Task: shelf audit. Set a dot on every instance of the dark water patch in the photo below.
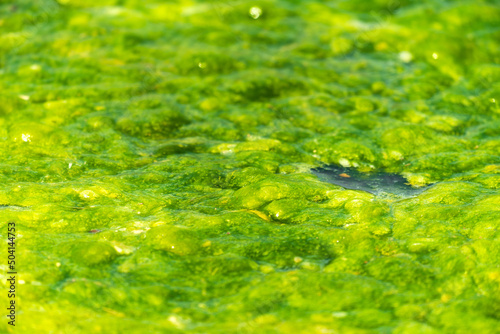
(14, 207)
(375, 182)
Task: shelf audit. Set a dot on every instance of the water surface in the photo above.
(156, 158)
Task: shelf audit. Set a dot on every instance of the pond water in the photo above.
(157, 158)
(376, 182)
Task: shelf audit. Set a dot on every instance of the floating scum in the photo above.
(164, 163)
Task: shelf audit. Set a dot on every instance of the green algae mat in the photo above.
(183, 166)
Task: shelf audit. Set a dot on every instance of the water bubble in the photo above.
(344, 162)
(340, 314)
(405, 56)
(255, 12)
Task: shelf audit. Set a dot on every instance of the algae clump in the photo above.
(160, 161)
(173, 239)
